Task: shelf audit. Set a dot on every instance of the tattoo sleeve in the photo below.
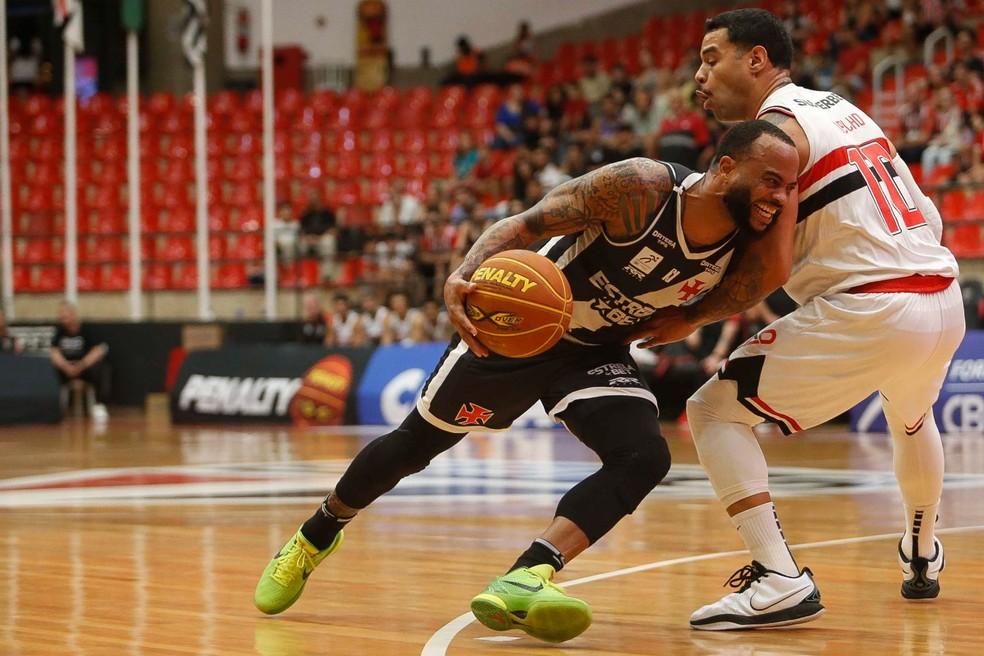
(742, 287)
(620, 197)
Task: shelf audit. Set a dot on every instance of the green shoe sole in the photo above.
(554, 620)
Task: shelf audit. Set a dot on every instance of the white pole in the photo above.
(133, 173)
(269, 249)
(201, 182)
(71, 211)
(6, 217)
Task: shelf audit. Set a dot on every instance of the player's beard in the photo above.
(738, 202)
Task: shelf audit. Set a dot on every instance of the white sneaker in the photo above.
(99, 412)
(920, 576)
(764, 599)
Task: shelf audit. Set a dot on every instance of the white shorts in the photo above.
(827, 356)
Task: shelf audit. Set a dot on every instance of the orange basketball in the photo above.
(522, 305)
(322, 396)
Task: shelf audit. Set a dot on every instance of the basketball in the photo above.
(323, 394)
(522, 306)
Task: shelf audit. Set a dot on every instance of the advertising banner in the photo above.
(309, 385)
(961, 403)
(394, 377)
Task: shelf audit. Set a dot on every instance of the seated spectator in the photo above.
(430, 324)
(594, 83)
(468, 63)
(624, 145)
(399, 207)
(946, 126)
(285, 230)
(316, 227)
(316, 327)
(347, 326)
(509, 119)
(913, 123)
(373, 317)
(644, 117)
(8, 343)
(621, 81)
(966, 52)
(549, 174)
(465, 155)
(521, 59)
(609, 118)
(434, 254)
(77, 355)
(396, 326)
(683, 134)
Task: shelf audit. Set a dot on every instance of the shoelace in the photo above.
(296, 557)
(744, 577)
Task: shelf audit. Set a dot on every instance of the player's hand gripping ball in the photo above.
(522, 305)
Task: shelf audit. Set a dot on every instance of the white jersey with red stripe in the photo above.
(862, 218)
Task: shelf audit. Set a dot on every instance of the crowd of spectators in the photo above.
(545, 136)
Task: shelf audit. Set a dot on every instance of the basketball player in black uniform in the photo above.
(630, 237)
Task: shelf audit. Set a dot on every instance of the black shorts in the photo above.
(466, 393)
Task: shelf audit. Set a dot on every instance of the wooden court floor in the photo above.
(140, 538)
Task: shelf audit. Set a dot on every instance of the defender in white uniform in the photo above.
(880, 310)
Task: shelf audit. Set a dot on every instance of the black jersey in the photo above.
(617, 285)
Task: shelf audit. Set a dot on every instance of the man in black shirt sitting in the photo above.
(76, 355)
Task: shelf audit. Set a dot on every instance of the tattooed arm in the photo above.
(620, 198)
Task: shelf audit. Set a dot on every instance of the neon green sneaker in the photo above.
(283, 579)
(526, 599)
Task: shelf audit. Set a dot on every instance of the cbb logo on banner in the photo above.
(322, 396)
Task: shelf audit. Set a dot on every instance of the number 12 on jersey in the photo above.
(871, 160)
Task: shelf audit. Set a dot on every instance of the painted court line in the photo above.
(442, 638)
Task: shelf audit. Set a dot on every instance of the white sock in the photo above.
(759, 528)
(919, 470)
(920, 523)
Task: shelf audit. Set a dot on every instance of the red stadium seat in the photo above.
(974, 209)
(377, 118)
(446, 141)
(116, 277)
(414, 166)
(218, 218)
(288, 101)
(157, 276)
(411, 141)
(161, 103)
(35, 251)
(345, 167)
(176, 248)
(376, 192)
(229, 276)
(184, 276)
(380, 166)
(182, 219)
(49, 279)
(242, 122)
(244, 169)
(216, 247)
(88, 278)
(248, 246)
(380, 141)
(952, 207)
(965, 240)
(101, 249)
(22, 279)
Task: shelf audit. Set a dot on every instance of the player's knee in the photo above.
(640, 467)
(411, 447)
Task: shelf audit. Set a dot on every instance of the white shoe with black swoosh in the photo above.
(920, 576)
(765, 599)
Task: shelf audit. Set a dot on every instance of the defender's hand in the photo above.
(455, 290)
(666, 326)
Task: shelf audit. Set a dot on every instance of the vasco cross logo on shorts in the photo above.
(472, 414)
